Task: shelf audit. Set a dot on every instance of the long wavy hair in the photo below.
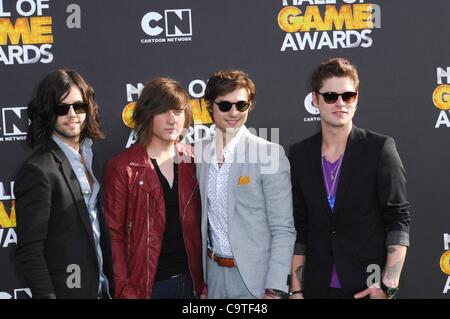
(51, 91)
(158, 96)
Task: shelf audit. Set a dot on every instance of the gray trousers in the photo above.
(225, 282)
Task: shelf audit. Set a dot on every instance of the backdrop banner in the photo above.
(401, 49)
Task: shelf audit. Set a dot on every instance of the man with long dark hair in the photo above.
(63, 247)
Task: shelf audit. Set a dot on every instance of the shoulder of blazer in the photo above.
(307, 144)
(45, 154)
(268, 147)
(250, 138)
(203, 143)
(367, 136)
(200, 151)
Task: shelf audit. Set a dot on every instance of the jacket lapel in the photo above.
(317, 170)
(353, 151)
(235, 172)
(204, 166)
(74, 187)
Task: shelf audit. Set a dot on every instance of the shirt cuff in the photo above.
(397, 237)
(299, 249)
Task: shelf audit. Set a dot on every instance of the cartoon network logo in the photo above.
(19, 293)
(174, 25)
(14, 124)
(311, 109)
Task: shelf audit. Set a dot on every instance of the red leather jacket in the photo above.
(135, 213)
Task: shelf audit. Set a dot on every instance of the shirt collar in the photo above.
(69, 151)
(230, 148)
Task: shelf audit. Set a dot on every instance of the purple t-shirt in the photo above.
(331, 172)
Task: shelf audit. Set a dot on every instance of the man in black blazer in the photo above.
(63, 244)
(349, 192)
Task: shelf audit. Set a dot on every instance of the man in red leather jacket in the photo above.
(152, 202)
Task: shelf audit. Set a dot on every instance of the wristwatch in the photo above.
(390, 292)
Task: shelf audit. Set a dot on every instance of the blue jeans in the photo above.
(176, 287)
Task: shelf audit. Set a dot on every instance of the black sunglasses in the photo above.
(79, 108)
(332, 97)
(225, 106)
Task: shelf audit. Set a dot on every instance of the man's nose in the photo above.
(234, 110)
(71, 112)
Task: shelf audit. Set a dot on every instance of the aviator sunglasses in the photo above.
(332, 97)
(225, 106)
(78, 107)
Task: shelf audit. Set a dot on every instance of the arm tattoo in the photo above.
(299, 273)
(391, 250)
(393, 272)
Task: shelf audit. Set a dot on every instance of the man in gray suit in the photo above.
(248, 231)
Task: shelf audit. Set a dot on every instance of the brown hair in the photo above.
(158, 96)
(51, 90)
(335, 67)
(224, 82)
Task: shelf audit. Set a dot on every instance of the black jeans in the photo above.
(176, 287)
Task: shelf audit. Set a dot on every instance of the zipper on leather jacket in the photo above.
(148, 246)
(184, 239)
(129, 226)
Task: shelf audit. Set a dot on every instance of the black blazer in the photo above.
(54, 229)
(370, 202)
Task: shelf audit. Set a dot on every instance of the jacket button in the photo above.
(141, 182)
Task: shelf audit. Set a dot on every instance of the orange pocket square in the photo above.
(244, 180)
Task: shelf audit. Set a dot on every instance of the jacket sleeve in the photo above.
(392, 194)
(299, 206)
(33, 192)
(115, 203)
(278, 199)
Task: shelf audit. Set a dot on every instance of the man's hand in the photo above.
(184, 149)
(270, 297)
(372, 293)
(204, 293)
(275, 294)
(297, 296)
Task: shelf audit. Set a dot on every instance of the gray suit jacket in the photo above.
(260, 219)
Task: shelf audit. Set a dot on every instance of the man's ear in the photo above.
(209, 108)
(315, 99)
